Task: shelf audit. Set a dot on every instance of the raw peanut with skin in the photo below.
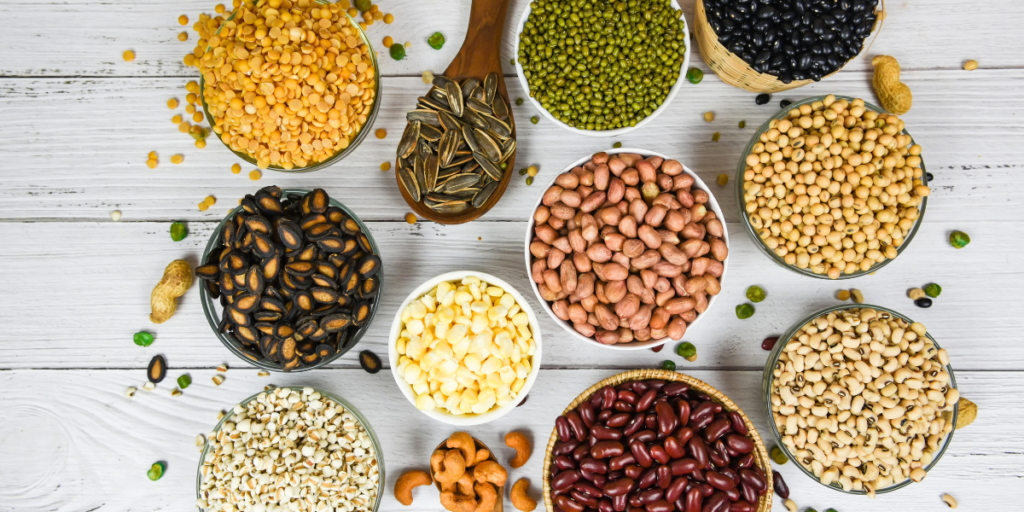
(568, 276)
(555, 258)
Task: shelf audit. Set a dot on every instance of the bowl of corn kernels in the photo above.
(302, 102)
(465, 348)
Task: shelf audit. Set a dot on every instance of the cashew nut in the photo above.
(790, 505)
(521, 500)
(949, 501)
(164, 300)
(405, 484)
(481, 455)
(436, 459)
(465, 443)
(489, 471)
(518, 442)
(487, 496)
(465, 483)
(458, 503)
(453, 467)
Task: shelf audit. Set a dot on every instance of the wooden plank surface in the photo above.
(81, 445)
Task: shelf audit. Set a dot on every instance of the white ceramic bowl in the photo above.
(440, 414)
(712, 205)
(602, 133)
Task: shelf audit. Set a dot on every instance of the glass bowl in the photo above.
(766, 390)
(335, 158)
(341, 401)
(759, 243)
(213, 309)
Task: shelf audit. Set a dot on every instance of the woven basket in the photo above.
(764, 504)
(735, 71)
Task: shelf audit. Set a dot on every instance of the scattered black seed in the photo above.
(930, 177)
(785, 103)
(158, 369)
(923, 302)
(523, 401)
(369, 361)
(762, 98)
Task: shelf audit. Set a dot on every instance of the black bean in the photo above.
(923, 302)
(785, 103)
(762, 99)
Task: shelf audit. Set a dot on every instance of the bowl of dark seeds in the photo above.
(456, 150)
(290, 279)
(776, 45)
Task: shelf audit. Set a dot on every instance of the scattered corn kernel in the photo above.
(381, 133)
(177, 159)
(532, 170)
(410, 218)
(235, 169)
(723, 179)
(386, 166)
(172, 103)
(115, 215)
(210, 200)
(858, 297)
(183, 20)
(176, 119)
(388, 18)
(128, 56)
(971, 65)
(709, 116)
(183, 36)
(255, 175)
(197, 117)
(388, 41)
(152, 163)
(843, 295)
(201, 144)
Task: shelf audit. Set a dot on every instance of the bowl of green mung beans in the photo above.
(602, 68)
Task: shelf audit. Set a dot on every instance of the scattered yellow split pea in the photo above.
(189, 59)
(410, 218)
(191, 98)
(255, 175)
(210, 200)
(183, 20)
(184, 127)
(388, 41)
(128, 56)
(388, 18)
(201, 144)
(177, 159)
(219, 9)
(843, 295)
(362, 25)
(177, 119)
(203, 207)
(172, 103)
(386, 166)
(353, 12)
(381, 133)
(192, 86)
(235, 169)
(374, 8)
(197, 117)
(191, 109)
(151, 163)
(532, 170)
(709, 116)
(183, 36)
(152, 155)
(378, 16)
(344, 4)
(971, 65)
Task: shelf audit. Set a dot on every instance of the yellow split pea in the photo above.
(177, 159)
(128, 56)
(235, 169)
(255, 175)
(386, 166)
(172, 103)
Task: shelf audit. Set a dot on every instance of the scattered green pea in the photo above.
(184, 381)
(668, 365)
(694, 75)
(534, 120)
(755, 294)
(959, 239)
(715, 137)
(436, 40)
(743, 124)
(519, 101)
(397, 51)
(831, 510)
(686, 349)
(744, 311)
(932, 290)
(143, 339)
(512, 61)
(617, 145)
(156, 471)
(178, 231)
(809, 509)
(529, 180)
(778, 456)
(522, 172)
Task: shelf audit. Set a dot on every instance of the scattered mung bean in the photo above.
(694, 75)
(143, 339)
(668, 365)
(184, 381)
(778, 456)
(436, 40)
(723, 179)
(715, 137)
(959, 239)
(156, 471)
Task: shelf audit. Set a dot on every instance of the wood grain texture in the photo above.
(101, 274)
(934, 34)
(79, 147)
(76, 443)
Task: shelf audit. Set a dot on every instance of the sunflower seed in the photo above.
(430, 172)
(468, 85)
(430, 133)
(488, 166)
(409, 137)
(448, 145)
(490, 87)
(460, 182)
(455, 98)
(478, 105)
(441, 82)
(476, 120)
(470, 137)
(498, 128)
(500, 108)
(439, 96)
(508, 148)
(448, 121)
(421, 180)
(424, 116)
(487, 145)
(450, 208)
(485, 193)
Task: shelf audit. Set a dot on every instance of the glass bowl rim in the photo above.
(767, 377)
(744, 217)
(209, 308)
(333, 396)
(335, 158)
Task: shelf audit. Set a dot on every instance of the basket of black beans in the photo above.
(767, 46)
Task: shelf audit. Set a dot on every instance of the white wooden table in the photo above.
(76, 124)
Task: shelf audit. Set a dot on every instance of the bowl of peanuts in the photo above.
(862, 398)
(627, 249)
(846, 192)
(303, 102)
(465, 348)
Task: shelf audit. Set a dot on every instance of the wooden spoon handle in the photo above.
(482, 48)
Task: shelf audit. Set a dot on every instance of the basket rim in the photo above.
(761, 457)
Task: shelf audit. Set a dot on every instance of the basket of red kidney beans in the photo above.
(655, 441)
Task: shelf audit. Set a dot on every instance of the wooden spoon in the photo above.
(499, 506)
(480, 55)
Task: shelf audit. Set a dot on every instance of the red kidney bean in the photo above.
(646, 400)
(702, 410)
(699, 424)
(716, 429)
(635, 423)
(733, 494)
(748, 492)
(698, 475)
(599, 480)
(577, 426)
(737, 423)
(605, 433)
(676, 389)
(719, 481)
(676, 489)
(694, 497)
(660, 506)
(565, 479)
(635, 503)
(684, 434)
(586, 475)
(683, 410)
(717, 456)
(633, 471)
(744, 462)
(594, 466)
(742, 506)
(614, 475)
(619, 502)
(647, 479)
(683, 466)
(643, 456)
(604, 415)
(698, 451)
(563, 462)
(651, 495)
(739, 443)
(673, 448)
(656, 383)
(619, 487)
(659, 454)
(621, 461)
(609, 396)
(769, 342)
(588, 414)
(651, 421)
(733, 475)
(667, 418)
(605, 505)
(779, 485)
(562, 426)
(595, 400)
(579, 497)
(716, 503)
(628, 397)
(644, 436)
(568, 505)
(588, 489)
(617, 420)
(623, 406)
(664, 477)
(641, 386)
(753, 479)
(565, 448)
(581, 452)
(607, 449)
